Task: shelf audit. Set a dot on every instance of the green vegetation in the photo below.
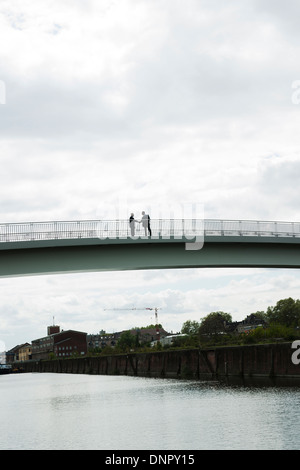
(279, 323)
(286, 312)
(127, 342)
(273, 332)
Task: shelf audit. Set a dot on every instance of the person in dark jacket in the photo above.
(146, 223)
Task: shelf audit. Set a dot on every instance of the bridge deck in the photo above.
(61, 247)
(162, 229)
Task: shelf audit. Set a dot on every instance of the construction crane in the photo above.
(156, 320)
(146, 308)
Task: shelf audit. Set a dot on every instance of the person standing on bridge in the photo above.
(132, 223)
(146, 223)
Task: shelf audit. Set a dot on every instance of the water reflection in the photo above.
(64, 411)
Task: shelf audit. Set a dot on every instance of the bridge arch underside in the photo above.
(94, 255)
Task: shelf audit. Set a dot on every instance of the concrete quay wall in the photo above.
(269, 360)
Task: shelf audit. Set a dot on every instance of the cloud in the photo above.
(147, 105)
(163, 66)
(116, 301)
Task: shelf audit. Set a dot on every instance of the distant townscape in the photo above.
(70, 343)
(281, 322)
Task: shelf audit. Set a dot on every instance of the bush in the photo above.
(271, 333)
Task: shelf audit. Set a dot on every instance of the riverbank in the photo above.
(263, 360)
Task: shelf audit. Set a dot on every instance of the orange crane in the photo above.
(146, 308)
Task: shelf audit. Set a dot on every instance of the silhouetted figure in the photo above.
(146, 223)
(132, 223)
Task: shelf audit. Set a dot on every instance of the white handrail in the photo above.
(161, 228)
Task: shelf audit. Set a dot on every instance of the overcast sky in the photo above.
(149, 103)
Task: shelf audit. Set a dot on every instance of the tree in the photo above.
(285, 312)
(190, 327)
(127, 341)
(149, 327)
(214, 323)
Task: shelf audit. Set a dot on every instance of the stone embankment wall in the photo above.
(272, 360)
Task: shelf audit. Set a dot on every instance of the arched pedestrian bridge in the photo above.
(96, 245)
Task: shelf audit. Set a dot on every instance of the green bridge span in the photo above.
(35, 248)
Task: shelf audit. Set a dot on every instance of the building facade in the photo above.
(70, 343)
(25, 352)
(17, 353)
(60, 344)
(102, 340)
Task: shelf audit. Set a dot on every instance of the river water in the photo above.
(96, 412)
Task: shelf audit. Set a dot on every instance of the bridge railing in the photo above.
(161, 228)
(251, 228)
(111, 229)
